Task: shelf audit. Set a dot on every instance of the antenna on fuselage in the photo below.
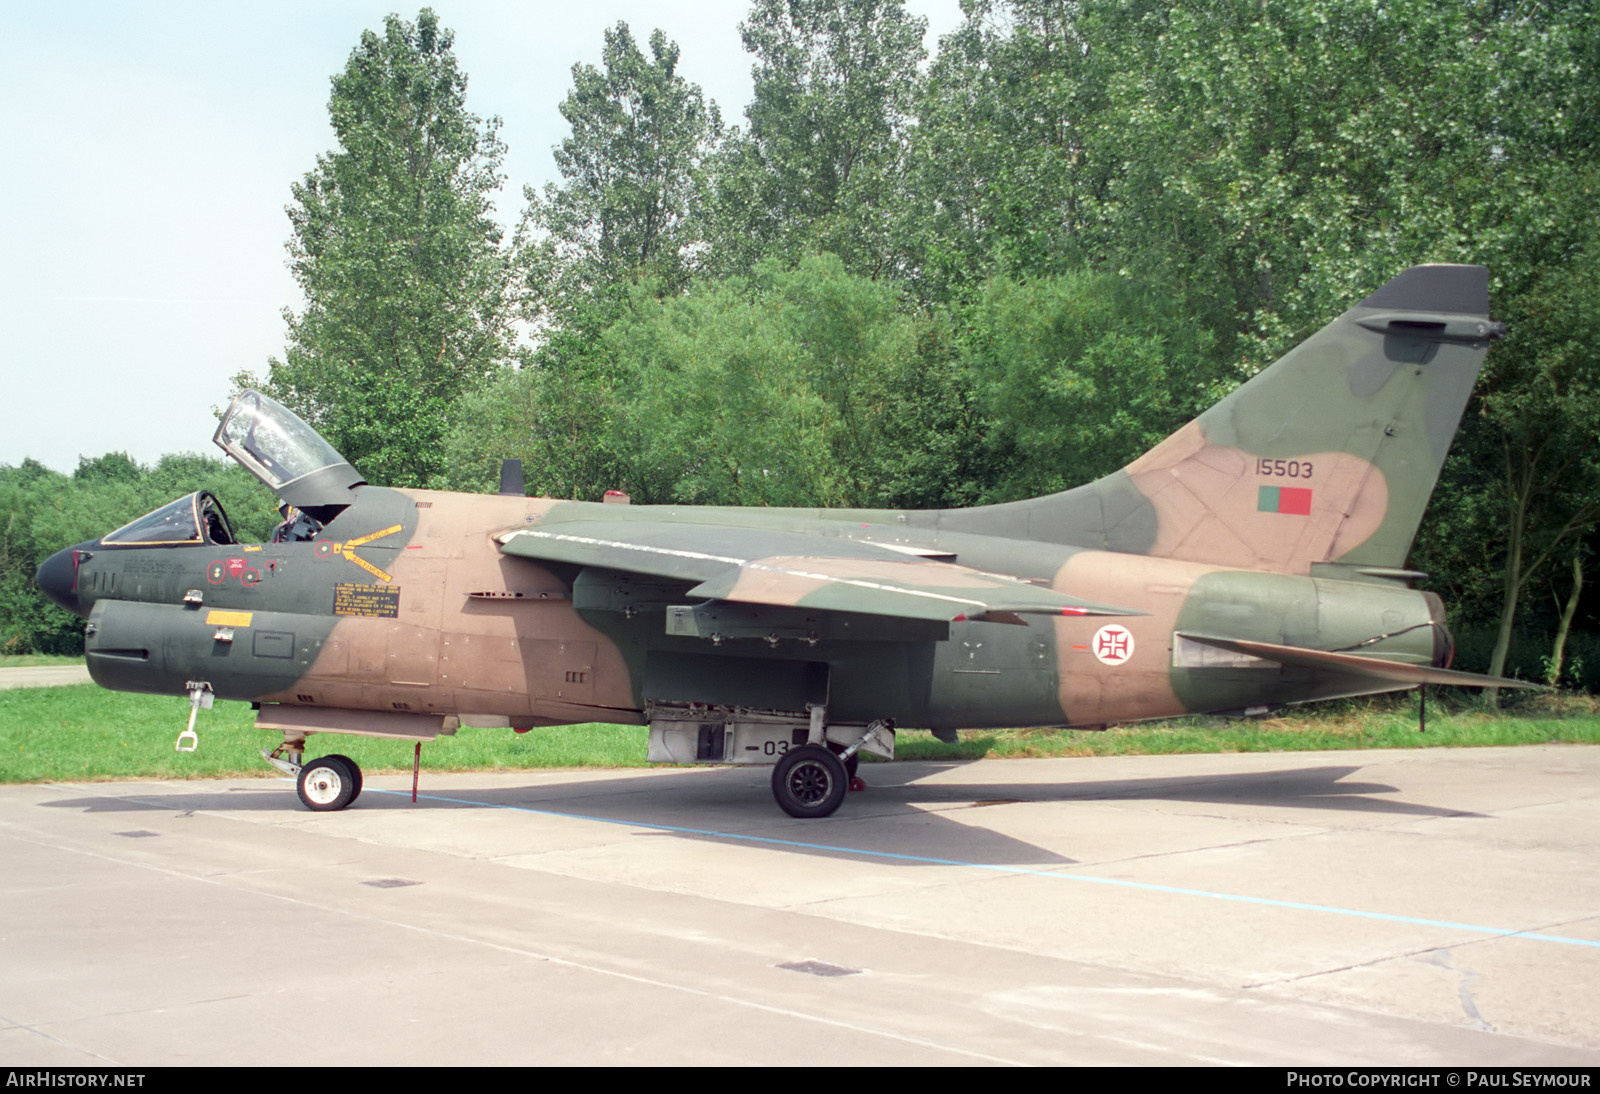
(511, 481)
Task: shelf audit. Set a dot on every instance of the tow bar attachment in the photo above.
(200, 695)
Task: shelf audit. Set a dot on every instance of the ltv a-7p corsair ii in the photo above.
(1255, 558)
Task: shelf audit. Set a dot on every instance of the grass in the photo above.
(28, 660)
(83, 732)
(1379, 722)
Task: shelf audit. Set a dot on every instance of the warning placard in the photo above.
(369, 600)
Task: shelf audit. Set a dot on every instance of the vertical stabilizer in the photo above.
(1328, 455)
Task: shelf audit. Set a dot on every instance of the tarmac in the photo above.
(1430, 907)
(42, 676)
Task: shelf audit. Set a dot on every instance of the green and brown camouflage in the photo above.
(1253, 559)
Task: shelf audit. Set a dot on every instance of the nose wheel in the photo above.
(329, 783)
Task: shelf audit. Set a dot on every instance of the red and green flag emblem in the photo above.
(1284, 499)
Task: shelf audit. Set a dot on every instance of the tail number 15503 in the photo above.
(1289, 469)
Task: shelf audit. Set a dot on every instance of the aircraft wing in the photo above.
(1355, 664)
(797, 569)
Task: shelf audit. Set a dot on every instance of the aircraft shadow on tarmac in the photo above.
(726, 806)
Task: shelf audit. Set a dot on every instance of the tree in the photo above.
(819, 167)
(1541, 404)
(634, 172)
(788, 387)
(28, 622)
(409, 292)
(558, 414)
(805, 386)
(997, 171)
(1082, 373)
(1268, 162)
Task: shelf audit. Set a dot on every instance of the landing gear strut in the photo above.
(325, 784)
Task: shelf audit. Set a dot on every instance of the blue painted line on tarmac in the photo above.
(1057, 875)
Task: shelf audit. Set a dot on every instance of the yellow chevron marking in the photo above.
(348, 551)
(367, 566)
(370, 536)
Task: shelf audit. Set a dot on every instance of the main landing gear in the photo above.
(809, 781)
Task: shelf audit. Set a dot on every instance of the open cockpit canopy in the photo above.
(277, 447)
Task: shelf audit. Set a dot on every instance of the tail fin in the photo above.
(1329, 455)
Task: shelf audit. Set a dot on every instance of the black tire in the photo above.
(326, 784)
(809, 782)
(851, 764)
(355, 771)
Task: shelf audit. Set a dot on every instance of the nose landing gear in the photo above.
(325, 784)
(329, 783)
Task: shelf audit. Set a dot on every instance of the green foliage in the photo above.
(787, 387)
(409, 293)
(818, 168)
(1081, 373)
(558, 415)
(1528, 655)
(634, 171)
(1269, 163)
(1541, 402)
(997, 177)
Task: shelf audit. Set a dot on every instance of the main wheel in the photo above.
(327, 784)
(355, 771)
(809, 781)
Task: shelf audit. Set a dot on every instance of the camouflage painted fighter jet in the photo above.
(1255, 558)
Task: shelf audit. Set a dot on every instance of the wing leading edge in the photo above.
(798, 569)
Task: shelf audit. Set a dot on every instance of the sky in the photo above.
(149, 149)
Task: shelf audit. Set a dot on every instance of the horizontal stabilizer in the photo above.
(1355, 664)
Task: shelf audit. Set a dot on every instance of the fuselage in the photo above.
(405, 603)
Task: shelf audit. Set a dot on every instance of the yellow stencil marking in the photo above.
(228, 619)
(367, 566)
(370, 536)
(347, 550)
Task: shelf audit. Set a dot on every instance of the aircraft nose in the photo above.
(57, 578)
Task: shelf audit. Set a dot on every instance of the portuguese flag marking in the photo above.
(1284, 499)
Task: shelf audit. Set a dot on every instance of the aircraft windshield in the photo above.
(196, 518)
(272, 441)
